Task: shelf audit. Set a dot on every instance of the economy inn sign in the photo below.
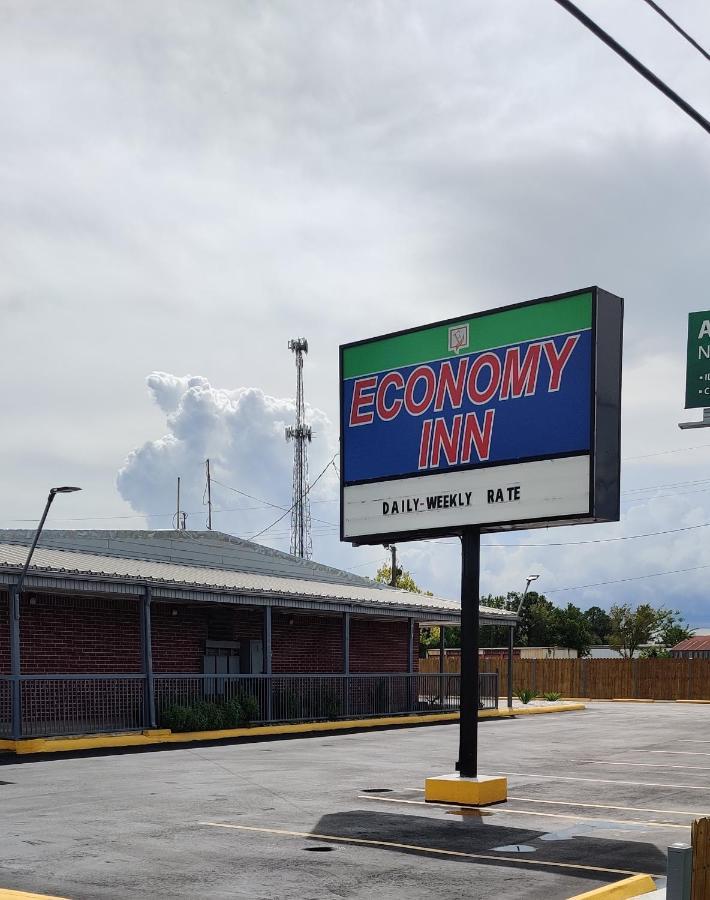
(501, 420)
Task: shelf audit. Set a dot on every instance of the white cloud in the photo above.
(241, 431)
(186, 188)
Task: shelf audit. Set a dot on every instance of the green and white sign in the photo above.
(697, 373)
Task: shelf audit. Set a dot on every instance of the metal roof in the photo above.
(351, 591)
(694, 643)
(211, 549)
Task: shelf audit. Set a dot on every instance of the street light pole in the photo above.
(15, 594)
(50, 498)
(511, 638)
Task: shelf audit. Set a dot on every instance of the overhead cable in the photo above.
(664, 15)
(635, 63)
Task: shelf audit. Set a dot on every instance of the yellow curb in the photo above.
(542, 710)
(630, 700)
(702, 702)
(7, 745)
(22, 895)
(621, 890)
(165, 736)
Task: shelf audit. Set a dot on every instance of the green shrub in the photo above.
(526, 695)
(176, 717)
(250, 708)
(210, 715)
(233, 713)
(551, 695)
(206, 716)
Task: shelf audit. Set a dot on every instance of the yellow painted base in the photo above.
(620, 890)
(480, 791)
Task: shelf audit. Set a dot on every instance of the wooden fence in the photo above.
(701, 859)
(599, 679)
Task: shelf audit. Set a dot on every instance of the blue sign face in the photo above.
(503, 402)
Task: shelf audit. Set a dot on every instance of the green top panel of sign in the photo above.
(697, 373)
(470, 335)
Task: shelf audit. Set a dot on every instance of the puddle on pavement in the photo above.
(582, 829)
(468, 811)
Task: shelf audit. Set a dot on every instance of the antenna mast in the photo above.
(177, 512)
(301, 435)
(209, 496)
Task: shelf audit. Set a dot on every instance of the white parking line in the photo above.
(666, 812)
(501, 810)
(609, 762)
(672, 752)
(690, 787)
(422, 849)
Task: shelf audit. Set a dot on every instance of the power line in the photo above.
(580, 587)
(634, 63)
(628, 537)
(267, 502)
(655, 487)
(664, 15)
(307, 491)
(665, 452)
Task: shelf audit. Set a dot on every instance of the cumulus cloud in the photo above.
(241, 431)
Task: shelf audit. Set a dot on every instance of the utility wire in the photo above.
(580, 587)
(634, 63)
(655, 487)
(664, 452)
(664, 15)
(307, 491)
(275, 505)
(628, 537)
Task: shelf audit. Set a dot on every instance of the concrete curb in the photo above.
(165, 736)
(620, 890)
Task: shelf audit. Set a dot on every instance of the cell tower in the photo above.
(301, 435)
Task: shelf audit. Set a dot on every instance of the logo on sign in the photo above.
(458, 338)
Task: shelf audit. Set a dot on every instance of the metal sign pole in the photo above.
(468, 723)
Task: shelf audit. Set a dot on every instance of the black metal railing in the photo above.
(80, 704)
(5, 706)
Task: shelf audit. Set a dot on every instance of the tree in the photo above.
(672, 628)
(573, 629)
(654, 653)
(599, 624)
(403, 580)
(632, 627)
(430, 636)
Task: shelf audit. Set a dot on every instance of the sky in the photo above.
(187, 186)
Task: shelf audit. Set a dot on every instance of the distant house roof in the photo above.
(694, 644)
(191, 564)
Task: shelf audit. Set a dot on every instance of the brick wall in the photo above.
(380, 645)
(79, 634)
(65, 634)
(306, 643)
(179, 640)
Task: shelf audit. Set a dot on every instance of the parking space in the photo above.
(593, 796)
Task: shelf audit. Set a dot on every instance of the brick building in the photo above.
(130, 618)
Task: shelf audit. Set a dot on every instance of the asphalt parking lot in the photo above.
(592, 796)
